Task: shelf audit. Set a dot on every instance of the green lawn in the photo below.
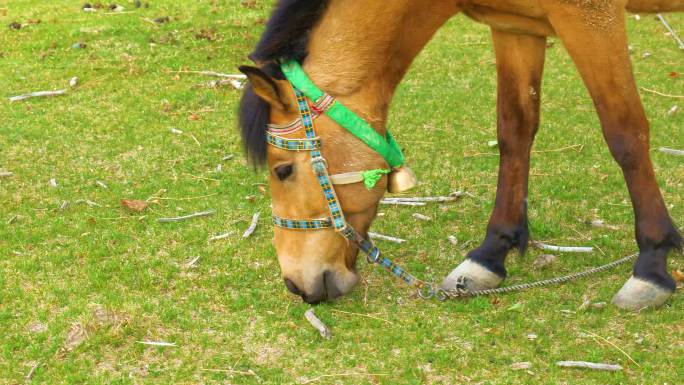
(80, 285)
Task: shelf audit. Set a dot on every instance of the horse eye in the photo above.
(283, 171)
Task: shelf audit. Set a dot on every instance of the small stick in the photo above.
(88, 202)
(662, 94)
(220, 236)
(6, 174)
(421, 217)
(402, 203)
(318, 324)
(563, 249)
(31, 372)
(193, 262)
(213, 73)
(589, 365)
(157, 343)
(37, 94)
(185, 217)
(342, 375)
(101, 184)
(423, 199)
(674, 34)
(671, 151)
(385, 238)
(252, 226)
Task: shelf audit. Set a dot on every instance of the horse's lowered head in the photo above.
(292, 134)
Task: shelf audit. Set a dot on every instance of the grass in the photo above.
(80, 286)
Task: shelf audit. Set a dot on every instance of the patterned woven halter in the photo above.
(336, 221)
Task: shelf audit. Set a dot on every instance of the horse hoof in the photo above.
(638, 294)
(471, 276)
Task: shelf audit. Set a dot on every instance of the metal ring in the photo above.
(441, 294)
(426, 292)
(377, 256)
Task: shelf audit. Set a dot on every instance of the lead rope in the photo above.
(461, 291)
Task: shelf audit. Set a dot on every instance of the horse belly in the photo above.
(654, 6)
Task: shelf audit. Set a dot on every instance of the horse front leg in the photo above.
(597, 43)
(519, 64)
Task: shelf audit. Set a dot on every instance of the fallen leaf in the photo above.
(194, 117)
(134, 205)
(75, 336)
(673, 74)
(543, 260)
(678, 276)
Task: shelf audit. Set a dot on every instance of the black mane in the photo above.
(285, 38)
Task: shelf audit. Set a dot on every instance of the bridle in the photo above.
(311, 103)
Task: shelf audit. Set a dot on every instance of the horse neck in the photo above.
(360, 50)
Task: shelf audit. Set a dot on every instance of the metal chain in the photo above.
(461, 291)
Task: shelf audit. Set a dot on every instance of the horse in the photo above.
(350, 55)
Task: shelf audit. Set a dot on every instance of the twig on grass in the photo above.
(220, 236)
(402, 203)
(563, 249)
(88, 202)
(318, 324)
(451, 198)
(6, 174)
(193, 262)
(252, 226)
(679, 41)
(308, 381)
(152, 198)
(37, 94)
(421, 217)
(186, 217)
(671, 151)
(662, 94)
(157, 343)
(385, 238)
(31, 372)
(213, 73)
(589, 365)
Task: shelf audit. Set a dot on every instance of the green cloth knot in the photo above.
(371, 177)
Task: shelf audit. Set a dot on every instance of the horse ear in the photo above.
(265, 87)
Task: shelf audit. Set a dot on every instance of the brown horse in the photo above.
(358, 51)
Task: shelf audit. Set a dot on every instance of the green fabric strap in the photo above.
(371, 177)
(387, 147)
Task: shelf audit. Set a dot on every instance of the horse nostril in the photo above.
(292, 287)
(330, 286)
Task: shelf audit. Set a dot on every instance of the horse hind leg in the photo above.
(520, 63)
(601, 56)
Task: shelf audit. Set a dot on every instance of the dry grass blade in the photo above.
(363, 315)
(186, 217)
(595, 336)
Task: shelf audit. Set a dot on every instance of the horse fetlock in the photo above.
(638, 294)
(473, 276)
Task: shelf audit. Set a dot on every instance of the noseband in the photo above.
(322, 103)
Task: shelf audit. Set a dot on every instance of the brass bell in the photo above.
(401, 179)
